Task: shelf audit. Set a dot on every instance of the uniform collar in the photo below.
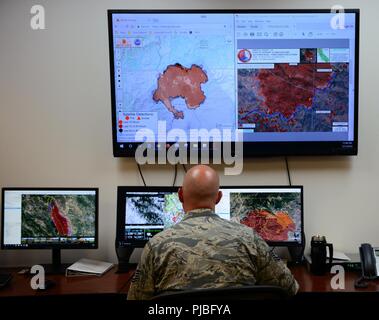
(199, 213)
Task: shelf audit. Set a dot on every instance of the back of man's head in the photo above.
(200, 188)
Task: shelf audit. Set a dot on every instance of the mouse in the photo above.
(48, 284)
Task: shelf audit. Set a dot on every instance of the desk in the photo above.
(310, 283)
(113, 285)
(108, 285)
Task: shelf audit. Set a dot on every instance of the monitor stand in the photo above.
(123, 256)
(297, 253)
(56, 267)
(126, 267)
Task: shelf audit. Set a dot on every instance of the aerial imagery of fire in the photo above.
(179, 81)
(56, 216)
(275, 217)
(304, 97)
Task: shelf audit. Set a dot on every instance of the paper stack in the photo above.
(88, 267)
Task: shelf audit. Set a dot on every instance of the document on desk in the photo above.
(338, 255)
(85, 267)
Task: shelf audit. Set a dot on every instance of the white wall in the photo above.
(55, 122)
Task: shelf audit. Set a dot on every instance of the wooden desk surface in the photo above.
(108, 284)
(118, 284)
(310, 283)
(322, 284)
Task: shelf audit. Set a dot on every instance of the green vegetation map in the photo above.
(37, 221)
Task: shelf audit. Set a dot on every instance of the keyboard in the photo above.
(5, 278)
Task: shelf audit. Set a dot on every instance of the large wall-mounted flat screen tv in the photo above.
(285, 80)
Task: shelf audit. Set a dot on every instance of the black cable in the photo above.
(184, 168)
(140, 172)
(288, 172)
(175, 175)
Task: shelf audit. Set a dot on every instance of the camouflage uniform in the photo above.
(206, 251)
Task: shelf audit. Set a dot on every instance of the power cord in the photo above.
(288, 172)
(140, 172)
(143, 178)
(184, 167)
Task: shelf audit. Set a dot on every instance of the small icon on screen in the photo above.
(244, 55)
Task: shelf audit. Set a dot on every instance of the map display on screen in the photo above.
(274, 77)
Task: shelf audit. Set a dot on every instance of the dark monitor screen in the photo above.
(286, 80)
(49, 218)
(275, 213)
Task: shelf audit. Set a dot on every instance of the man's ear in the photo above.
(219, 196)
(180, 194)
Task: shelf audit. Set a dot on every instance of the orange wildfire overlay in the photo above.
(179, 81)
(61, 222)
(286, 87)
(269, 225)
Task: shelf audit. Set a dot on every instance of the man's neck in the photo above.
(193, 208)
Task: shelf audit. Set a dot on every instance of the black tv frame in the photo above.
(120, 226)
(250, 149)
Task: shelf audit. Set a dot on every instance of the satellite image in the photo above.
(163, 210)
(274, 216)
(58, 216)
(307, 97)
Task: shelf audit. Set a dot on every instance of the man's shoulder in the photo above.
(239, 228)
(186, 229)
(168, 233)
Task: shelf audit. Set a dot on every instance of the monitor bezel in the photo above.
(120, 229)
(94, 245)
(251, 149)
(120, 223)
(280, 243)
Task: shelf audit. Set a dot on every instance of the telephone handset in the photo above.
(368, 261)
(369, 257)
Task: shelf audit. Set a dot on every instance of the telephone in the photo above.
(370, 264)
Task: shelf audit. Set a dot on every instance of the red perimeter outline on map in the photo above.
(179, 81)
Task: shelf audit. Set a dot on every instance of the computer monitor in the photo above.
(286, 80)
(275, 213)
(50, 218)
(142, 212)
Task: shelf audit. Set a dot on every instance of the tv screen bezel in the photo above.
(250, 149)
(94, 245)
